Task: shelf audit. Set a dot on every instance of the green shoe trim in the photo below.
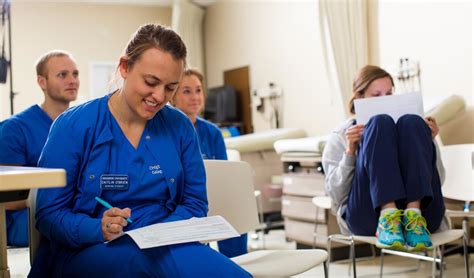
(413, 224)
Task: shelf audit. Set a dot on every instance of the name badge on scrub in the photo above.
(114, 182)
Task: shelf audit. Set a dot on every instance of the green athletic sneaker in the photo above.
(416, 234)
(390, 231)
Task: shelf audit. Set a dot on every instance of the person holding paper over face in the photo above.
(385, 177)
(141, 158)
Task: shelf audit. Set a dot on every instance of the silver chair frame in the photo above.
(435, 258)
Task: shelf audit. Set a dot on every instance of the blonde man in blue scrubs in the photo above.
(190, 98)
(130, 136)
(22, 136)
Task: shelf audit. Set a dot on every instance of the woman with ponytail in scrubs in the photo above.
(190, 98)
(140, 155)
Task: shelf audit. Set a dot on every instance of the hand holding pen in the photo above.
(113, 220)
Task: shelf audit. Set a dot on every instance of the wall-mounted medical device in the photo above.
(271, 96)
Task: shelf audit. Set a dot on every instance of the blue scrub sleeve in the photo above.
(12, 144)
(193, 202)
(221, 151)
(54, 216)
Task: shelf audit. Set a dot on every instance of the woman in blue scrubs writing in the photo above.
(190, 98)
(140, 155)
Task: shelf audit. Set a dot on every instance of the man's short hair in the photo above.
(43, 60)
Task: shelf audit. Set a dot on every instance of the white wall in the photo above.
(91, 32)
(280, 42)
(438, 34)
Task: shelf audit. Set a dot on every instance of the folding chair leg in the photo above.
(352, 249)
(441, 263)
(349, 266)
(325, 264)
(372, 250)
(261, 218)
(329, 252)
(381, 263)
(433, 270)
(466, 254)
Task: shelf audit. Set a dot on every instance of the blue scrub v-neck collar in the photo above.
(122, 134)
(116, 126)
(43, 114)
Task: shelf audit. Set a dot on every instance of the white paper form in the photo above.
(394, 106)
(195, 229)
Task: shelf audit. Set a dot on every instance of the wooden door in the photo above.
(239, 78)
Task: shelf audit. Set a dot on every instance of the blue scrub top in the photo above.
(210, 140)
(146, 181)
(22, 138)
(166, 176)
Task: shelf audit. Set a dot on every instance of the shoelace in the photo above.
(392, 219)
(413, 225)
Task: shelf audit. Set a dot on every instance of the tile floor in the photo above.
(394, 266)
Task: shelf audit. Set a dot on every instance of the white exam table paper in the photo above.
(195, 229)
(394, 106)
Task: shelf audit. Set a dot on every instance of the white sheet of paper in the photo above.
(195, 229)
(394, 105)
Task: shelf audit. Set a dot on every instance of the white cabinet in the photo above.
(303, 179)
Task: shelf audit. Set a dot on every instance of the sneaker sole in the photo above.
(398, 246)
(419, 247)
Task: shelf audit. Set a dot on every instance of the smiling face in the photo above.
(379, 87)
(150, 82)
(190, 96)
(60, 82)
